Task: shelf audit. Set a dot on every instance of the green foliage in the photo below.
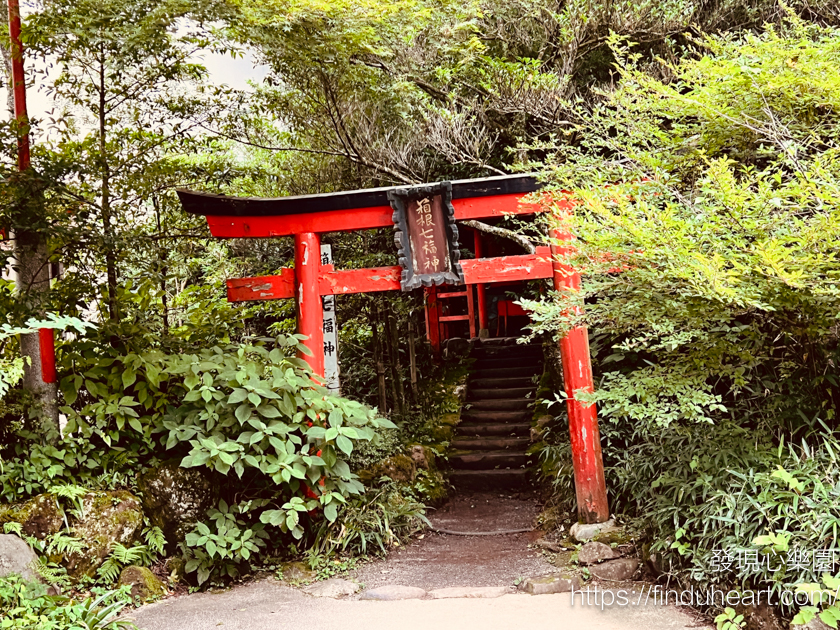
(379, 519)
(729, 620)
(141, 555)
(26, 605)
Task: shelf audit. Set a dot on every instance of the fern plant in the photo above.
(141, 555)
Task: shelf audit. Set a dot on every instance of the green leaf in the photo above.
(243, 413)
(344, 444)
(331, 512)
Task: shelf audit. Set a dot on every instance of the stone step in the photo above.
(514, 392)
(483, 460)
(505, 382)
(488, 479)
(501, 404)
(520, 428)
(525, 370)
(491, 443)
(495, 417)
(514, 350)
(498, 341)
(507, 362)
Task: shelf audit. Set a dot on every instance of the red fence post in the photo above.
(590, 486)
(482, 297)
(310, 309)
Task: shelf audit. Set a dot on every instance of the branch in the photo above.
(503, 233)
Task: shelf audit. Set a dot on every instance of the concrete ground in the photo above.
(269, 605)
(433, 561)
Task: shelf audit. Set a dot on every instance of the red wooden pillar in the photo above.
(46, 336)
(482, 298)
(590, 486)
(310, 309)
(433, 318)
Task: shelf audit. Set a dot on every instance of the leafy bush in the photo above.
(26, 606)
(381, 518)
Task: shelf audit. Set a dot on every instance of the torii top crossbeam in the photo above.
(306, 217)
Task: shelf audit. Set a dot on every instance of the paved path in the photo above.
(269, 605)
(432, 562)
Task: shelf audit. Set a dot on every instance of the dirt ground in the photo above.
(442, 560)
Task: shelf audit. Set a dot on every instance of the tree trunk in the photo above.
(107, 228)
(380, 365)
(396, 373)
(162, 256)
(33, 282)
(412, 359)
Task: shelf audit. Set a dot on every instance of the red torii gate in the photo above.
(307, 217)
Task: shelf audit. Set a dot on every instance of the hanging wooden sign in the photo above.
(426, 235)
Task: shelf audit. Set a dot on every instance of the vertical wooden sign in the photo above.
(330, 331)
(426, 236)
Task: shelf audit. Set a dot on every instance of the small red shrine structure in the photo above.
(307, 217)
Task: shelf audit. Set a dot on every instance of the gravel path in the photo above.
(442, 560)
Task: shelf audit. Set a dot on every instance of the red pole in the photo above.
(310, 309)
(590, 486)
(433, 319)
(482, 298)
(45, 335)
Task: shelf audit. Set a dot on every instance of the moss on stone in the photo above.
(108, 518)
(40, 516)
(144, 584)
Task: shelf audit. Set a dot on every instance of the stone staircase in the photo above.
(490, 444)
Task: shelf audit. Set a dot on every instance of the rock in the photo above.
(145, 586)
(422, 456)
(17, 558)
(815, 624)
(398, 467)
(297, 572)
(175, 499)
(176, 567)
(544, 420)
(334, 587)
(549, 584)
(616, 570)
(584, 532)
(393, 592)
(760, 617)
(456, 347)
(40, 517)
(460, 392)
(469, 592)
(108, 518)
(548, 545)
(595, 552)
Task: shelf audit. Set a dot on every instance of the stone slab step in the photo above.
(514, 350)
(491, 443)
(489, 479)
(467, 429)
(507, 362)
(483, 460)
(501, 404)
(525, 370)
(513, 392)
(495, 417)
(507, 382)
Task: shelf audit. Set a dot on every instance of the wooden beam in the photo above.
(360, 280)
(228, 226)
(262, 287)
(331, 282)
